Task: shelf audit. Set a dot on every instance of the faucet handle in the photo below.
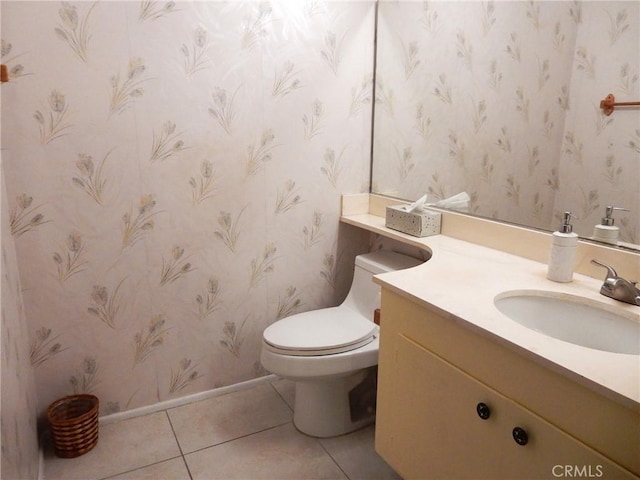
(611, 273)
(618, 288)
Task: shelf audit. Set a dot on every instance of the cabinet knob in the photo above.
(483, 410)
(520, 436)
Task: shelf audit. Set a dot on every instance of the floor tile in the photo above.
(279, 453)
(226, 417)
(174, 469)
(247, 434)
(356, 455)
(122, 446)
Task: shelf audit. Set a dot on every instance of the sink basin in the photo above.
(573, 319)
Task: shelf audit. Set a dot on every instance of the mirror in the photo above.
(501, 99)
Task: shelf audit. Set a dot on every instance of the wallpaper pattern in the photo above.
(501, 99)
(174, 172)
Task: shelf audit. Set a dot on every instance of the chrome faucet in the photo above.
(618, 288)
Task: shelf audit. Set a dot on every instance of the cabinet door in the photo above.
(437, 431)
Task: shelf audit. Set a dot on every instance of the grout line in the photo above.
(186, 465)
(140, 468)
(175, 436)
(240, 437)
(331, 457)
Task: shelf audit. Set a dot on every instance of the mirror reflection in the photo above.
(502, 100)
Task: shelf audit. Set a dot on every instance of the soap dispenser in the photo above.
(607, 232)
(563, 251)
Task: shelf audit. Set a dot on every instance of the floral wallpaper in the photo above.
(174, 172)
(501, 100)
(20, 457)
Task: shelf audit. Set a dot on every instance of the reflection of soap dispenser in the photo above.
(563, 251)
(607, 231)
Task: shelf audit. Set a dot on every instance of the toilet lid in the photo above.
(320, 332)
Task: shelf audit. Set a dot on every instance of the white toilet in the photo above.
(331, 353)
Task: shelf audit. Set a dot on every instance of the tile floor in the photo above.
(247, 434)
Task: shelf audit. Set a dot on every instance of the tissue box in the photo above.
(418, 224)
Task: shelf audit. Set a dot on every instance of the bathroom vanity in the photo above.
(466, 392)
(455, 403)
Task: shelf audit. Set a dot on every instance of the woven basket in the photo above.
(73, 421)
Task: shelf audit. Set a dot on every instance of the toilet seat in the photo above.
(320, 332)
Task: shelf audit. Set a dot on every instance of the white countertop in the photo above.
(462, 279)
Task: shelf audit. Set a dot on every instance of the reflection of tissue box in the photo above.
(418, 224)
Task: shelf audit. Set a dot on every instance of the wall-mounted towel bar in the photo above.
(610, 101)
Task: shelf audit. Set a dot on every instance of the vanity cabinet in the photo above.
(454, 403)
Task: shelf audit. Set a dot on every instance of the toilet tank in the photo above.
(364, 295)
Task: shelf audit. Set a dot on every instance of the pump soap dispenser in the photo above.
(607, 232)
(563, 251)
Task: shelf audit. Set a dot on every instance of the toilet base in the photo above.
(335, 406)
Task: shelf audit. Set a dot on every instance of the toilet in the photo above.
(331, 354)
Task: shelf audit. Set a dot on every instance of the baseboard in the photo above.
(178, 402)
(40, 462)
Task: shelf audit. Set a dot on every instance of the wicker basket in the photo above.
(73, 421)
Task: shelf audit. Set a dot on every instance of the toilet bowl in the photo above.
(331, 354)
